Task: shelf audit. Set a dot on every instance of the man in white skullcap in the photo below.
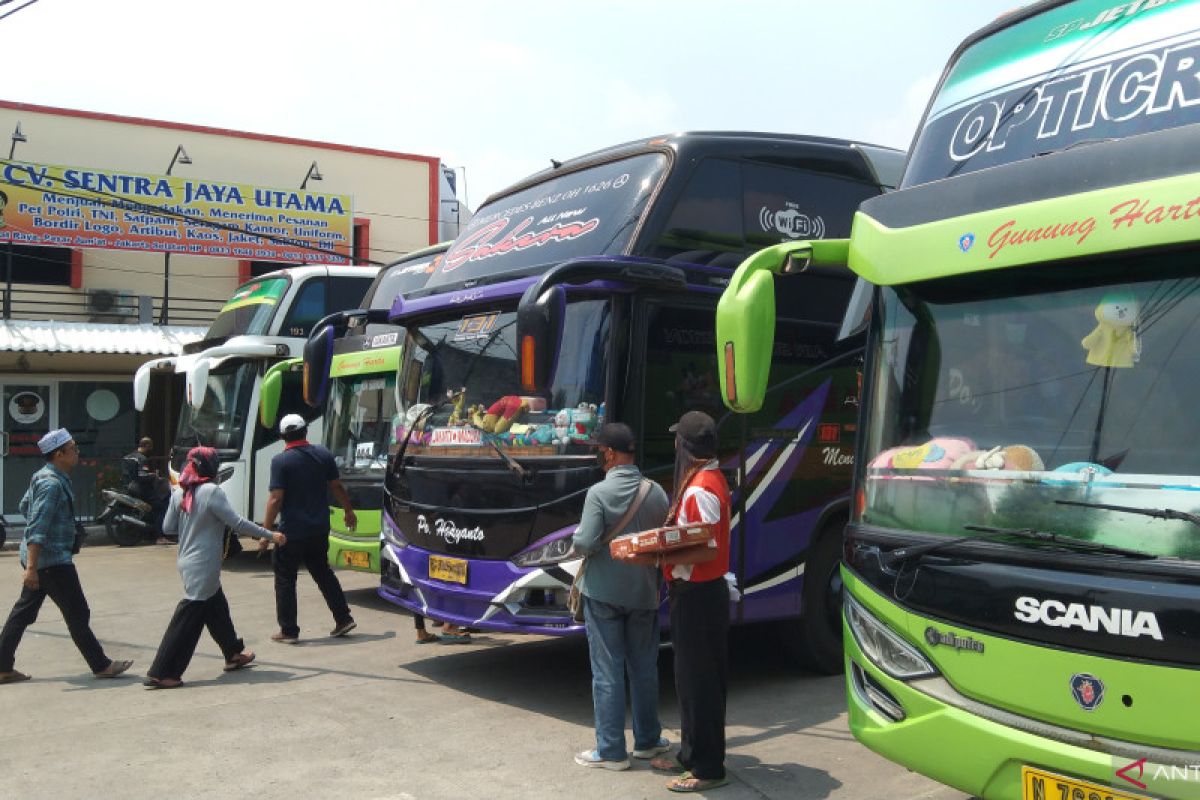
(46, 551)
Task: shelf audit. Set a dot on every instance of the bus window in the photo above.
(346, 293)
(307, 309)
(705, 224)
(780, 204)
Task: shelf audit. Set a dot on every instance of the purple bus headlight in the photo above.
(551, 552)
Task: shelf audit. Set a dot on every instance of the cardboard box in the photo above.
(661, 540)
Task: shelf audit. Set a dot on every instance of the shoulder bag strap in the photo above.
(626, 518)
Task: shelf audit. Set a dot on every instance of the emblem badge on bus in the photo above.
(1088, 690)
(966, 242)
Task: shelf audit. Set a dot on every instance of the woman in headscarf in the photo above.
(198, 515)
(699, 597)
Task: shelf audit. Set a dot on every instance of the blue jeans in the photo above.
(623, 641)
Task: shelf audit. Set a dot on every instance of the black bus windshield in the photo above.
(992, 401)
(588, 212)
(458, 386)
(1080, 72)
(250, 311)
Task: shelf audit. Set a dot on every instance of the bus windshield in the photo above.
(250, 311)
(994, 400)
(588, 212)
(359, 424)
(1081, 72)
(458, 385)
(221, 420)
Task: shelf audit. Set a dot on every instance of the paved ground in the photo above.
(374, 715)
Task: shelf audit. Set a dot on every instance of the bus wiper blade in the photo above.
(508, 460)
(903, 554)
(1063, 541)
(1160, 513)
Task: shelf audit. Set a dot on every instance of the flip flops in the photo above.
(455, 638)
(668, 764)
(162, 683)
(688, 783)
(13, 677)
(113, 669)
(239, 661)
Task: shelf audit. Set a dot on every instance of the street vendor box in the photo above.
(661, 540)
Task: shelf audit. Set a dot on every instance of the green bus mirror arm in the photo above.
(746, 314)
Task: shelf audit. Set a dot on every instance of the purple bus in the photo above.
(587, 293)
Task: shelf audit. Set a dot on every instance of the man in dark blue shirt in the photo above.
(300, 476)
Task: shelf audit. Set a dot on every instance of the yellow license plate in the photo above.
(1039, 785)
(353, 558)
(453, 570)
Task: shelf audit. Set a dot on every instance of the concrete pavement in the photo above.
(374, 715)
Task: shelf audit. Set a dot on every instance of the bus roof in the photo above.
(879, 164)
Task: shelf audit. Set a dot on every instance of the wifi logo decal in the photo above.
(792, 223)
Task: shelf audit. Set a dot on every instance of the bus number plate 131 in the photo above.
(453, 570)
(1039, 785)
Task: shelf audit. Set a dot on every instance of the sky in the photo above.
(494, 89)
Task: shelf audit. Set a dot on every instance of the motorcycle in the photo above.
(126, 519)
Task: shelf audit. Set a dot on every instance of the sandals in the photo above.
(113, 669)
(162, 683)
(668, 764)
(239, 661)
(13, 677)
(687, 783)
(455, 638)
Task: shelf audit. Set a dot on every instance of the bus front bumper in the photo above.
(928, 726)
(494, 595)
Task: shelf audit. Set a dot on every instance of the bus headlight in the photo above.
(390, 534)
(551, 552)
(886, 650)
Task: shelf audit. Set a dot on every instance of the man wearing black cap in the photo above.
(46, 554)
(620, 605)
(699, 607)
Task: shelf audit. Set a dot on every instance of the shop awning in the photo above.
(84, 337)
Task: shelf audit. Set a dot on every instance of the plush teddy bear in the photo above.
(1114, 341)
(583, 421)
(1013, 457)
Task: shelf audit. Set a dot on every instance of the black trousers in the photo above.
(61, 584)
(312, 553)
(699, 633)
(183, 634)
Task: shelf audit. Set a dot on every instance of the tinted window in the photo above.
(1085, 71)
(346, 293)
(400, 278)
(306, 310)
(588, 212)
(729, 210)
(706, 221)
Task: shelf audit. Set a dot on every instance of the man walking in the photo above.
(46, 555)
(620, 605)
(300, 478)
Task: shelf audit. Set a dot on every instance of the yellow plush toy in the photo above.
(1114, 341)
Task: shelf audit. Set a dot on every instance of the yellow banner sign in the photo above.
(73, 207)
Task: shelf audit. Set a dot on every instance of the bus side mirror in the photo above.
(318, 355)
(746, 315)
(196, 383)
(272, 391)
(539, 336)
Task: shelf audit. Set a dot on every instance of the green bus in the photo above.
(1021, 608)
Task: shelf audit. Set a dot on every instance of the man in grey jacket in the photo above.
(620, 607)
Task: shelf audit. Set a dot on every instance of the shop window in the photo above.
(46, 266)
